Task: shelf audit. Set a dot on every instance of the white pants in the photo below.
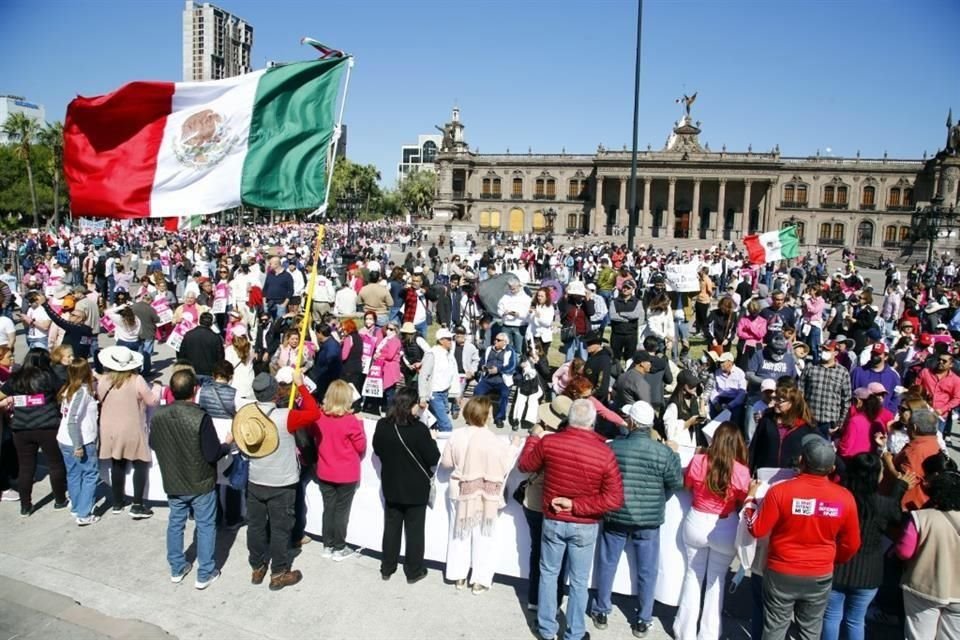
(929, 619)
(475, 550)
(709, 545)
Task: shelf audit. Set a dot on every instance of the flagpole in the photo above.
(315, 256)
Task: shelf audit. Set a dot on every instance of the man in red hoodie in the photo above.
(581, 482)
(812, 524)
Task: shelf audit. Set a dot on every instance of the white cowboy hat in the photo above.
(118, 358)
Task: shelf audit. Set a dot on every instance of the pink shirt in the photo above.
(704, 500)
(340, 446)
(857, 436)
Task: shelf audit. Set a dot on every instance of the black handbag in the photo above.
(307, 446)
(521, 491)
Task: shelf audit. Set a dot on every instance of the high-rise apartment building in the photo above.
(216, 44)
(10, 105)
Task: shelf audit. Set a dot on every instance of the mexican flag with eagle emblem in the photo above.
(773, 245)
(162, 149)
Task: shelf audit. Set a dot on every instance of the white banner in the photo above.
(89, 225)
(682, 277)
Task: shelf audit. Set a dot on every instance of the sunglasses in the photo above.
(780, 401)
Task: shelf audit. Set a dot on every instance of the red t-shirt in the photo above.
(812, 524)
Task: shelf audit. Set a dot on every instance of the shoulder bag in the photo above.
(431, 479)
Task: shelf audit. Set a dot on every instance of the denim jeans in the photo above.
(421, 329)
(146, 348)
(645, 546)
(813, 341)
(83, 476)
(133, 346)
(577, 541)
(485, 386)
(535, 523)
(515, 335)
(575, 349)
(440, 408)
(846, 608)
(33, 343)
(204, 507)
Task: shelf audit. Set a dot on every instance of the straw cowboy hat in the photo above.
(118, 358)
(254, 433)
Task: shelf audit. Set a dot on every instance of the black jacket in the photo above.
(865, 570)
(78, 336)
(597, 370)
(402, 479)
(448, 307)
(766, 449)
(203, 349)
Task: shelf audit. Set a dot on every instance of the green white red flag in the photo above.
(163, 149)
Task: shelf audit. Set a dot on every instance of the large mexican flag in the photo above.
(773, 245)
(159, 149)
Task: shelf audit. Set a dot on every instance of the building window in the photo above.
(486, 187)
(890, 234)
(496, 187)
(788, 192)
(841, 195)
(908, 197)
(517, 187)
(573, 223)
(904, 234)
(869, 197)
(865, 234)
(794, 195)
(551, 188)
(801, 194)
(575, 188)
(828, 194)
(894, 199)
(838, 233)
(429, 151)
(539, 189)
(825, 231)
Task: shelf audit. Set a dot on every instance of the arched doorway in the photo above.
(865, 234)
(516, 221)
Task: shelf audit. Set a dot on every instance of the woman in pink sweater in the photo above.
(857, 434)
(751, 331)
(341, 444)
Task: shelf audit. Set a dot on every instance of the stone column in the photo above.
(745, 223)
(695, 210)
(721, 210)
(623, 219)
(647, 186)
(767, 208)
(598, 213)
(671, 193)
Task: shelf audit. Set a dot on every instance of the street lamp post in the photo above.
(551, 215)
(928, 223)
(348, 204)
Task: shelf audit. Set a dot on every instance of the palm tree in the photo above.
(52, 137)
(23, 131)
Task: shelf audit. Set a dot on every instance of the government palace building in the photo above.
(687, 190)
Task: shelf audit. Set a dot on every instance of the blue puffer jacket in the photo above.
(650, 469)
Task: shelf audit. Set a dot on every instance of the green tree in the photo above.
(52, 138)
(417, 192)
(363, 180)
(23, 131)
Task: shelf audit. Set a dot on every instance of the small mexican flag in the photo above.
(156, 149)
(773, 245)
(183, 223)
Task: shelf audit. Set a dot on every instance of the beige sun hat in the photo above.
(254, 433)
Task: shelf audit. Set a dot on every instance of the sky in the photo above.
(873, 76)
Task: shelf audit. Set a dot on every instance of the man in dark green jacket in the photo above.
(650, 470)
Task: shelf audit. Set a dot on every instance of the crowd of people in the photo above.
(806, 411)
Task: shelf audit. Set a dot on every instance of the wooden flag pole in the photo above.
(318, 243)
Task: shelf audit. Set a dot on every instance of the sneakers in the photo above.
(10, 495)
(119, 508)
(302, 541)
(599, 620)
(25, 511)
(88, 520)
(461, 584)
(339, 555)
(641, 629)
(286, 579)
(177, 579)
(478, 589)
(203, 584)
(417, 577)
(141, 512)
(259, 574)
(327, 552)
(59, 506)
(532, 607)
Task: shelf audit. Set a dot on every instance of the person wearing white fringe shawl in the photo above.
(480, 461)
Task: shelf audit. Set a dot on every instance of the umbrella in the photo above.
(491, 290)
(556, 289)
